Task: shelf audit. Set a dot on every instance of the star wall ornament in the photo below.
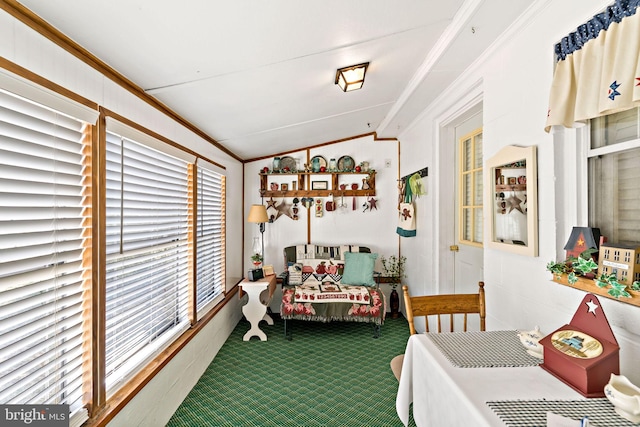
(613, 90)
(592, 307)
(284, 208)
(271, 203)
(373, 204)
(514, 203)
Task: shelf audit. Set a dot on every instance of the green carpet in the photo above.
(330, 374)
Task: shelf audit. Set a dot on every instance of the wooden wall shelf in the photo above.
(589, 285)
(304, 182)
(513, 187)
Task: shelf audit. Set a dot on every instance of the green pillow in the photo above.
(358, 268)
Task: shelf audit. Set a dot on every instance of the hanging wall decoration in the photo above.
(406, 211)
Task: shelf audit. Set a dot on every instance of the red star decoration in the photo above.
(638, 79)
(373, 204)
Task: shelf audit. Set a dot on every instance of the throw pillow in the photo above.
(358, 268)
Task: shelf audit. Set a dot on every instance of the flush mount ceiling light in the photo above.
(351, 78)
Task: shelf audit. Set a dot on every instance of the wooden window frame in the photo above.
(471, 172)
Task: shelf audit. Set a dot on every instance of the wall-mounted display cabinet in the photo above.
(511, 190)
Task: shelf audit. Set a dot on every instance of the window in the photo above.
(45, 254)
(471, 189)
(162, 252)
(147, 271)
(210, 236)
(614, 173)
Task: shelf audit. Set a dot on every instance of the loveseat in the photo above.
(331, 283)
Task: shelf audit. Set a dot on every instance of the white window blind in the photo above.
(147, 271)
(614, 173)
(45, 255)
(210, 238)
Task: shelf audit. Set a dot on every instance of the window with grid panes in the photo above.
(614, 174)
(45, 248)
(470, 193)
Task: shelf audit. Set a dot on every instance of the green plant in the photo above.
(558, 268)
(584, 265)
(257, 258)
(617, 289)
(573, 267)
(394, 268)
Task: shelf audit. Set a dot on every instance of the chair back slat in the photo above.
(448, 304)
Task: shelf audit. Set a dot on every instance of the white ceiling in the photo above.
(258, 76)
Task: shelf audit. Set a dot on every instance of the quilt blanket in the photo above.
(370, 308)
(326, 292)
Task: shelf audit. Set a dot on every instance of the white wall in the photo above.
(373, 228)
(513, 80)
(159, 399)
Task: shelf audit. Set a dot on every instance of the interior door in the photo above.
(468, 254)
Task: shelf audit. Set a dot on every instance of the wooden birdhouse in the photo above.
(621, 260)
(581, 239)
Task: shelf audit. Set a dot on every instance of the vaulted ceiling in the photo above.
(258, 76)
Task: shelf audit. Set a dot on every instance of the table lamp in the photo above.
(258, 214)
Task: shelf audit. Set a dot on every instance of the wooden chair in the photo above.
(447, 304)
(439, 305)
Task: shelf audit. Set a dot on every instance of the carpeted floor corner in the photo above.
(330, 374)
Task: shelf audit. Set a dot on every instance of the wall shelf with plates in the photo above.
(317, 184)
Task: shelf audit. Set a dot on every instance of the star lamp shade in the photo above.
(351, 78)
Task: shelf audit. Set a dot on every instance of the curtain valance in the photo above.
(598, 69)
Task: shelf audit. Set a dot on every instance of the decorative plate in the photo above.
(288, 162)
(323, 161)
(346, 163)
(576, 344)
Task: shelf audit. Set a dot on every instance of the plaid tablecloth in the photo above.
(533, 413)
(490, 349)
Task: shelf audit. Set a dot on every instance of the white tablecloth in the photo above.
(444, 395)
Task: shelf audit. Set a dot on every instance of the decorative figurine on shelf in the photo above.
(365, 184)
(583, 239)
(348, 163)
